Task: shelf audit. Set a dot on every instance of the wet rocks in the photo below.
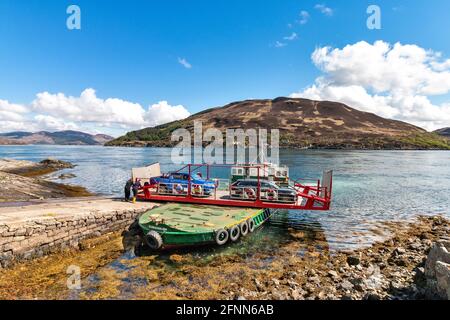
(323, 274)
(176, 258)
(56, 164)
(393, 269)
(353, 260)
(22, 181)
(66, 176)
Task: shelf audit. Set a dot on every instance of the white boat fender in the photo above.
(244, 228)
(221, 236)
(251, 225)
(235, 232)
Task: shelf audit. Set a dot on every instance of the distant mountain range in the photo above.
(445, 132)
(303, 124)
(67, 137)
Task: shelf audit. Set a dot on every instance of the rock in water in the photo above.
(58, 164)
(66, 176)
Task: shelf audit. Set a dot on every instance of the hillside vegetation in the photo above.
(302, 123)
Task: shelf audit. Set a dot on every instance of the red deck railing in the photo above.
(310, 197)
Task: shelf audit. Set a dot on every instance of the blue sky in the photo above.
(131, 50)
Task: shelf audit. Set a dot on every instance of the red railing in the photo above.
(310, 197)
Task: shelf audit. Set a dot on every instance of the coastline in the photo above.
(146, 144)
(22, 180)
(391, 269)
(44, 239)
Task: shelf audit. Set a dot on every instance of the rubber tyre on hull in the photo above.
(235, 232)
(243, 228)
(251, 225)
(153, 240)
(221, 237)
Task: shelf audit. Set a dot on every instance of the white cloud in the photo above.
(382, 67)
(11, 112)
(184, 63)
(162, 112)
(88, 108)
(304, 17)
(279, 44)
(291, 37)
(86, 113)
(53, 124)
(354, 96)
(391, 81)
(324, 9)
(12, 116)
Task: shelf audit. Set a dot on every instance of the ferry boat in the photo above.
(174, 224)
(196, 211)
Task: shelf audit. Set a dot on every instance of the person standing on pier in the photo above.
(136, 186)
(127, 189)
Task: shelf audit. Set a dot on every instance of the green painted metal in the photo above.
(236, 178)
(191, 224)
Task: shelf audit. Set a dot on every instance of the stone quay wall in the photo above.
(27, 239)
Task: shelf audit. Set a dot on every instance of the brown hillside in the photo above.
(302, 123)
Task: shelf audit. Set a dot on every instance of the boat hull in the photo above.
(176, 232)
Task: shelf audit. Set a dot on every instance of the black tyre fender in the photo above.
(221, 237)
(235, 232)
(251, 225)
(154, 240)
(243, 228)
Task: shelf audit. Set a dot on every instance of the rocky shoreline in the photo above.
(304, 269)
(22, 181)
(395, 269)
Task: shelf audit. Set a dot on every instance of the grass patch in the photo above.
(428, 141)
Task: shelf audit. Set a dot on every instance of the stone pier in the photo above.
(36, 230)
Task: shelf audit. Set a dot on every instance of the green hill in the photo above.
(302, 123)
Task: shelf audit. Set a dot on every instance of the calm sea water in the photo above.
(370, 187)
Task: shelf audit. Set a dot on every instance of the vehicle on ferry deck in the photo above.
(177, 183)
(247, 189)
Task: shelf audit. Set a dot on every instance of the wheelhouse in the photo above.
(266, 171)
